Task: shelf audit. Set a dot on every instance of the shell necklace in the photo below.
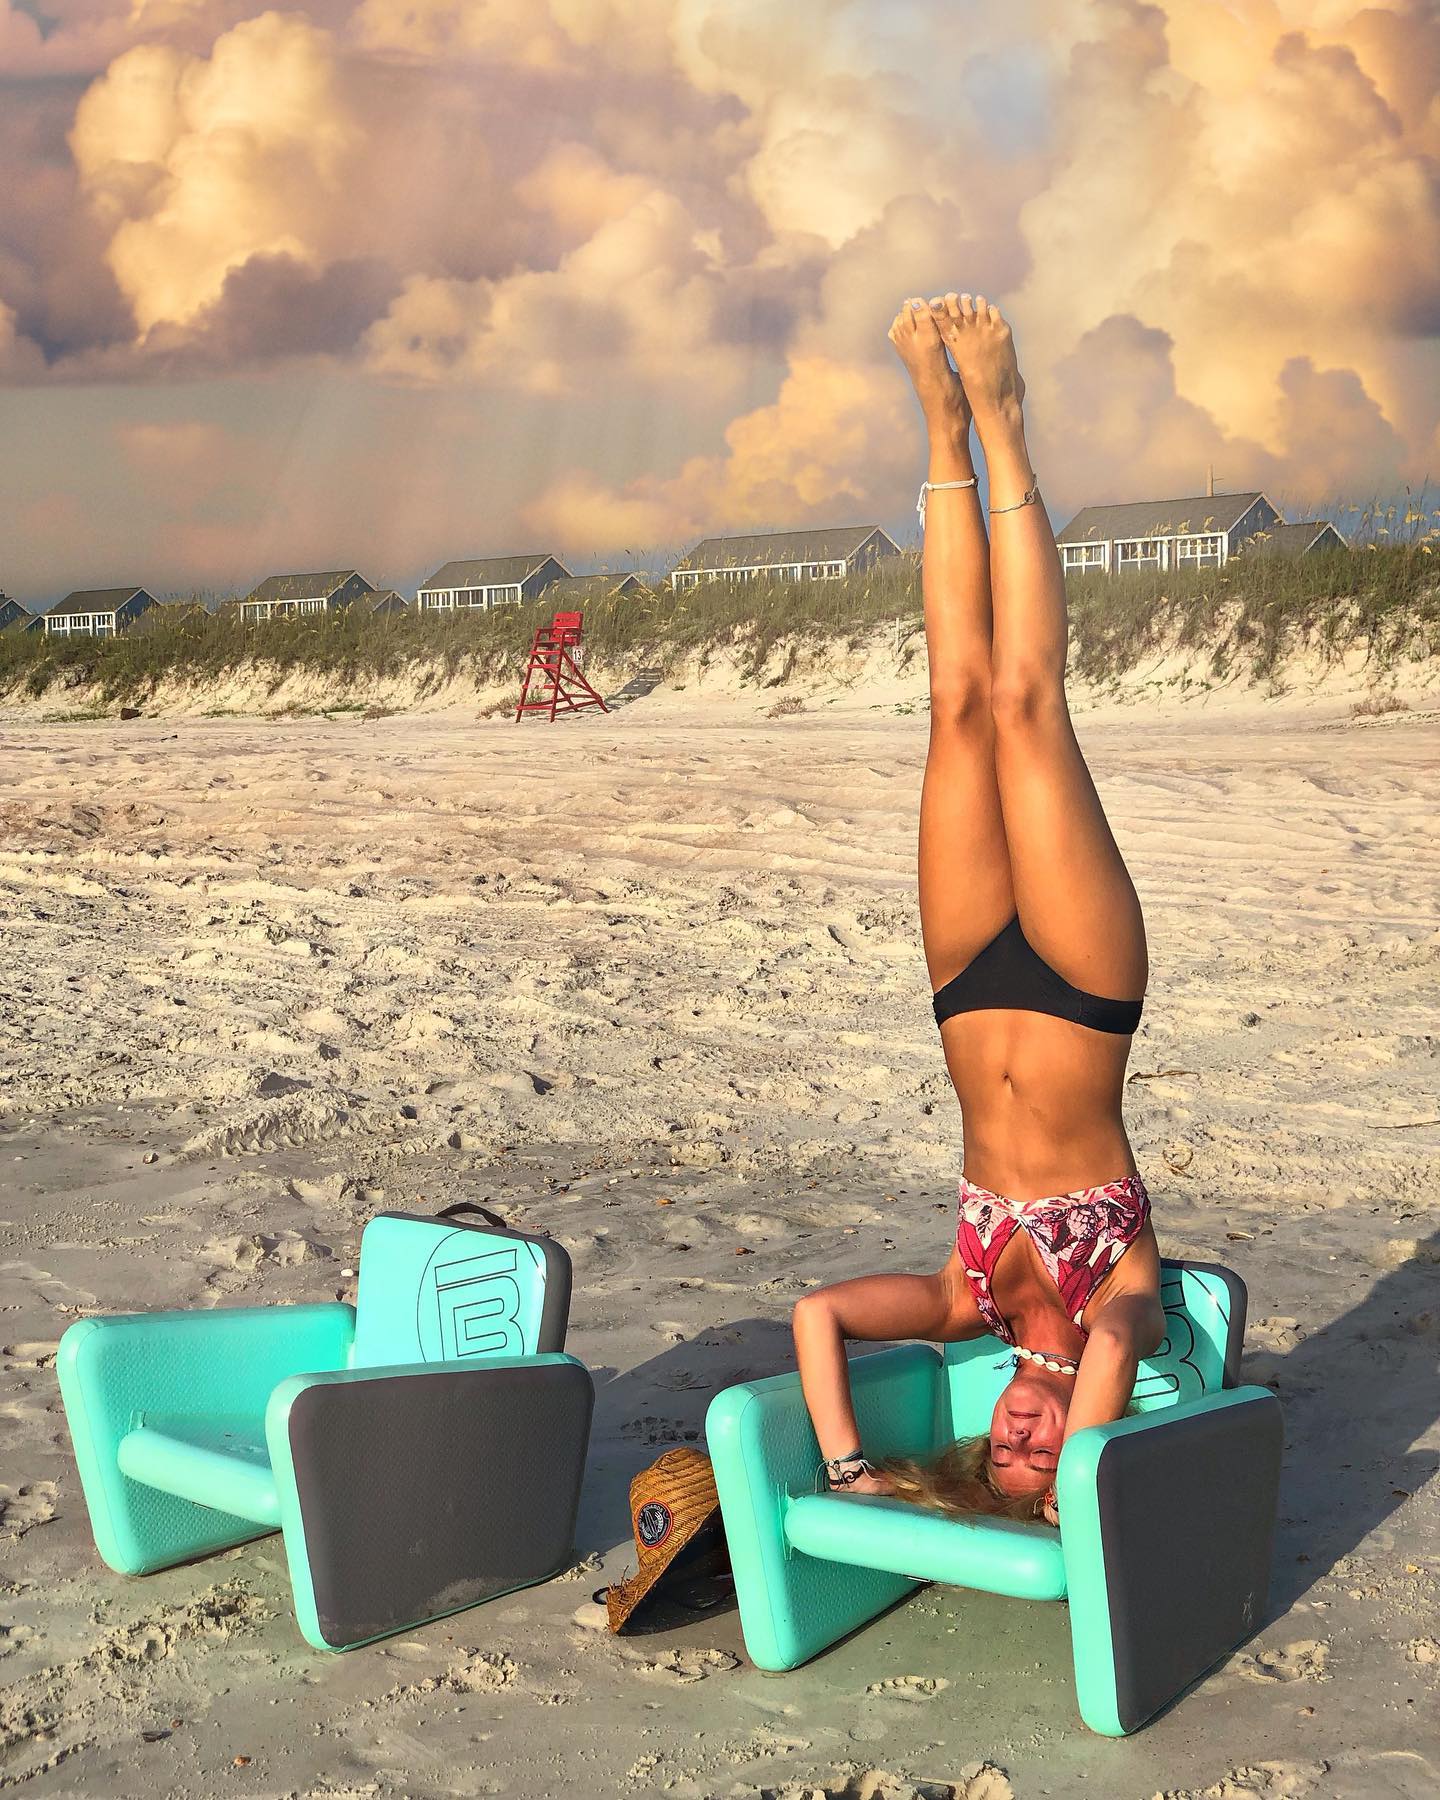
(1053, 1360)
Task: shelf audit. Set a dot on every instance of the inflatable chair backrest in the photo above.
(439, 1290)
(1205, 1327)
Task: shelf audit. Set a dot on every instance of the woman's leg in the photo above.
(1076, 901)
(965, 891)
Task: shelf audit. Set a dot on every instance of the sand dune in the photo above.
(652, 982)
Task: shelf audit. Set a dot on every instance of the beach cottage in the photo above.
(97, 612)
(487, 581)
(1299, 539)
(13, 613)
(386, 600)
(822, 555)
(329, 590)
(1202, 531)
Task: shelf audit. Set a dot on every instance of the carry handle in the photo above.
(469, 1206)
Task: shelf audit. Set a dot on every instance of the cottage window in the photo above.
(1202, 549)
(1139, 553)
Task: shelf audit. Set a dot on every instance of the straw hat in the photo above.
(673, 1507)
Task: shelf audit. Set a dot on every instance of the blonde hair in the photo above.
(959, 1481)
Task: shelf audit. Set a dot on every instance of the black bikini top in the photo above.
(1009, 973)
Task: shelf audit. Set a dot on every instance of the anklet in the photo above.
(1030, 498)
(845, 1471)
(929, 487)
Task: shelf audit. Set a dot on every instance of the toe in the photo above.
(952, 305)
(982, 307)
(967, 306)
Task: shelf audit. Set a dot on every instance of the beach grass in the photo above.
(1381, 598)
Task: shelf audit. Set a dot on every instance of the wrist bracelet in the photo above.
(845, 1471)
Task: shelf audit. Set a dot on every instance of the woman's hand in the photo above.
(867, 1484)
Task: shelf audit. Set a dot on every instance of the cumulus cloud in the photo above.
(204, 163)
(834, 435)
(641, 293)
(19, 356)
(1282, 210)
(1116, 417)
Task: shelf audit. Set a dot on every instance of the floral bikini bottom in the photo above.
(1079, 1237)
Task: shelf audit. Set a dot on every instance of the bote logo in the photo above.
(653, 1523)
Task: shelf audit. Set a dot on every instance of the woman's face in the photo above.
(1027, 1429)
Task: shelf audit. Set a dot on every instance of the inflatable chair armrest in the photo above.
(764, 1453)
(413, 1491)
(1167, 1522)
(122, 1371)
(226, 1361)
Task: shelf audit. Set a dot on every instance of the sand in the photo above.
(652, 983)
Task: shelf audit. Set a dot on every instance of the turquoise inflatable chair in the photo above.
(1167, 1517)
(421, 1451)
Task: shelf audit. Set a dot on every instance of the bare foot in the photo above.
(915, 333)
(979, 338)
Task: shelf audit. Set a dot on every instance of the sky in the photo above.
(376, 285)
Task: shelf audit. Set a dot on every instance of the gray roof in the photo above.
(1289, 540)
(95, 600)
(831, 543)
(378, 597)
(1158, 518)
(590, 587)
(489, 571)
(318, 586)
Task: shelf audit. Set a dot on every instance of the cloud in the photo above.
(640, 294)
(1116, 426)
(1330, 430)
(1266, 204)
(204, 163)
(835, 439)
(548, 35)
(20, 358)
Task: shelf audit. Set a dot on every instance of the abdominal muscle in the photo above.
(1040, 1098)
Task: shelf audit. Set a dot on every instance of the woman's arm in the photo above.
(875, 1308)
(1129, 1327)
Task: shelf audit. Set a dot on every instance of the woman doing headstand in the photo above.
(1035, 946)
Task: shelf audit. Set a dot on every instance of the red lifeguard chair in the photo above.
(554, 670)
